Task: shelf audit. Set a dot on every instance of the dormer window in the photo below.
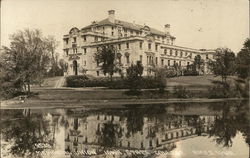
(74, 39)
(67, 40)
(84, 38)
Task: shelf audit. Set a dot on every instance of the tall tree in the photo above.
(28, 57)
(243, 60)
(199, 64)
(224, 63)
(107, 57)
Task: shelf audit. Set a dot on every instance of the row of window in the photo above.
(175, 52)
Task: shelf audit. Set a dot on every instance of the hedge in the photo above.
(116, 83)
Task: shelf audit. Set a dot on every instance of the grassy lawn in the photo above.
(194, 81)
(198, 85)
(50, 82)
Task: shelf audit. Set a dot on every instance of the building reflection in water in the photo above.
(124, 132)
(131, 129)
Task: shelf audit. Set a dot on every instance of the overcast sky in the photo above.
(195, 23)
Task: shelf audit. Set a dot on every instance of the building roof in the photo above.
(125, 24)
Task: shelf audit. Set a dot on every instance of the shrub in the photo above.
(76, 81)
(181, 92)
(171, 72)
(188, 72)
(160, 79)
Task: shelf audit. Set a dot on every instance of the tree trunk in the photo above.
(28, 88)
(111, 78)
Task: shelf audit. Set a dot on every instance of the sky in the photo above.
(200, 24)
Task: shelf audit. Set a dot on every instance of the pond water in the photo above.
(178, 130)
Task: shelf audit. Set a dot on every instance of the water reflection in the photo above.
(144, 131)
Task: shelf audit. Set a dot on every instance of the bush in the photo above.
(171, 72)
(188, 72)
(76, 81)
(182, 92)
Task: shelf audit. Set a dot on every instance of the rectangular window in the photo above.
(97, 49)
(131, 33)
(156, 47)
(156, 61)
(67, 52)
(206, 56)
(84, 38)
(140, 45)
(165, 51)
(112, 28)
(168, 62)
(74, 39)
(127, 58)
(127, 45)
(85, 51)
(176, 53)
(85, 63)
(96, 38)
(162, 62)
(180, 63)
(67, 41)
(97, 73)
(112, 33)
(149, 46)
(119, 46)
(171, 52)
(141, 58)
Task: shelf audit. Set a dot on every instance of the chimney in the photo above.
(111, 16)
(167, 29)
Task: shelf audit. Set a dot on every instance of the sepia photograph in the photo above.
(124, 78)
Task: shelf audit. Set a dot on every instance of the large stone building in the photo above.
(133, 43)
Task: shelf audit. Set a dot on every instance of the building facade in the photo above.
(133, 42)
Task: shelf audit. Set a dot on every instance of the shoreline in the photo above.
(34, 104)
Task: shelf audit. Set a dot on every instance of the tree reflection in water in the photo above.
(29, 135)
(235, 117)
